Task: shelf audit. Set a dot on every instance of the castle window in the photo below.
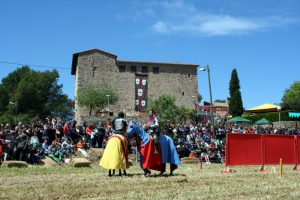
(133, 69)
(94, 69)
(189, 75)
(182, 93)
(121, 68)
(155, 70)
(144, 69)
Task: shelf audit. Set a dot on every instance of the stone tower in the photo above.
(135, 82)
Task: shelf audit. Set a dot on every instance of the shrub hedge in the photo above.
(272, 116)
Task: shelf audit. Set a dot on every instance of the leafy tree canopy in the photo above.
(95, 96)
(168, 112)
(291, 97)
(34, 93)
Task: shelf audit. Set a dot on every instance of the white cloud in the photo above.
(181, 17)
(160, 27)
(229, 25)
(225, 25)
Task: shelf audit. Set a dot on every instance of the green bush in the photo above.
(272, 117)
(7, 117)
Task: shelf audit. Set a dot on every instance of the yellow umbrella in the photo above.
(264, 108)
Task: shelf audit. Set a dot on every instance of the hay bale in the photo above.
(187, 160)
(77, 154)
(79, 162)
(95, 154)
(48, 162)
(14, 163)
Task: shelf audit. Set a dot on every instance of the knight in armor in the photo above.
(119, 124)
(152, 129)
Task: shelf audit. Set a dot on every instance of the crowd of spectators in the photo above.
(32, 142)
(198, 141)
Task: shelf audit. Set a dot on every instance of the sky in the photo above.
(261, 39)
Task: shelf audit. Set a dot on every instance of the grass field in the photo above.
(188, 183)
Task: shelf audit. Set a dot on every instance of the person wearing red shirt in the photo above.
(88, 132)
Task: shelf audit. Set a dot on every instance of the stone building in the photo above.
(135, 82)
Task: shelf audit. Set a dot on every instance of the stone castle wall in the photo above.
(177, 80)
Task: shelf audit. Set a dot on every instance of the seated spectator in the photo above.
(55, 152)
(35, 154)
(80, 147)
(67, 148)
(192, 154)
(45, 145)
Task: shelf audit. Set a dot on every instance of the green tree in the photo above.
(165, 109)
(4, 99)
(291, 97)
(168, 112)
(8, 87)
(184, 114)
(235, 99)
(94, 96)
(62, 107)
(36, 94)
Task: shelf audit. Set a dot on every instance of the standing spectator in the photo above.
(79, 132)
(92, 140)
(9, 144)
(1, 150)
(59, 132)
(72, 131)
(100, 134)
(21, 146)
(50, 134)
(108, 124)
(38, 132)
(88, 132)
(53, 123)
(67, 129)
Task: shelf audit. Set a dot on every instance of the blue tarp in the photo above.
(294, 114)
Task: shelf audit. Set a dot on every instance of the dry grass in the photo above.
(188, 183)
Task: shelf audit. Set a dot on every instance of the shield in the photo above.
(140, 92)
